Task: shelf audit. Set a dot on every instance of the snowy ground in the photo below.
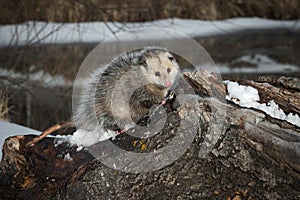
(257, 63)
(47, 79)
(41, 32)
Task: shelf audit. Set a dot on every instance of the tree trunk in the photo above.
(208, 148)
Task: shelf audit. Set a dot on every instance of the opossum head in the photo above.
(159, 66)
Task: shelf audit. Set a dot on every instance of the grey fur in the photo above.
(120, 85)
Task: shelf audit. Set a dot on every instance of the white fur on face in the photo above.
(161, 69)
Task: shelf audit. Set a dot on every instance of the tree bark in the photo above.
(224, 152)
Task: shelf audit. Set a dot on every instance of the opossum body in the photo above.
(118, 95)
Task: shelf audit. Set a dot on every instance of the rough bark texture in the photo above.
(232, 153)
(36, 172)
(246, 163)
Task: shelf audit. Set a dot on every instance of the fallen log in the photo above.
(216, 150)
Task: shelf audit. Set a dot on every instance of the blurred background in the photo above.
(43, 43)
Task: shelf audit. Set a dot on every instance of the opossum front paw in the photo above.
(164, 102)
(169, 97)
(120, 131)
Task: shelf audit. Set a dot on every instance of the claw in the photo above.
(170, 96)
(119, 132)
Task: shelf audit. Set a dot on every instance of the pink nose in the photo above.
(168, 83)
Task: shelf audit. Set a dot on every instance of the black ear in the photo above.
(142, 61)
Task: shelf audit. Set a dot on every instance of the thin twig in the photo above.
(48, 131)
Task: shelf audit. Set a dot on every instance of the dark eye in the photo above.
(157, 74)
(171, 58)
(168, 70)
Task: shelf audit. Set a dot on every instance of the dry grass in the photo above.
(276, 9)
(52, 59)
(4, 109)
(15, 11)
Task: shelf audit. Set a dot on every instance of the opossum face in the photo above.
(161, 69)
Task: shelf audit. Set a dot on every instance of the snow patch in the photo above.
(40, 76)
(258, 63)
(242, 95)
(68, 157)
(83, 138)
(248, 97)
(31, 32)
(80, 137)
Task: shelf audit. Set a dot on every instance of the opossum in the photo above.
(118, 95)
